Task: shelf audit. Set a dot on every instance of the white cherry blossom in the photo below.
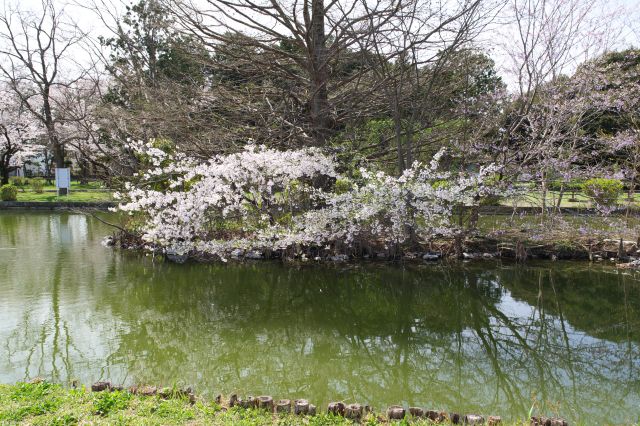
(264, 199)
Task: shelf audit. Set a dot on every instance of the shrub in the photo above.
(568, 185)
(491, 200)
(107, 402)
(37, 185)
(8, 192)
(440, 184)
(604, 192)
(342, 186)
(18, 181)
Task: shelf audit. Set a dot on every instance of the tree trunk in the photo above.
(84, 171)
(58, 151)
(560, 196)
(409, 144)
(319, 104)
(397, 119)
(4, 177)
(46, 167)
(5, 159)
(544, 196)
(56, 146)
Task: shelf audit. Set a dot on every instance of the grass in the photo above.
(75, 184)
(86, 193)
(50, 404)
(95, 191)
(569, 199)
(575, 223)
(85, 196)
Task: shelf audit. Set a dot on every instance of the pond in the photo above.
(487, 337)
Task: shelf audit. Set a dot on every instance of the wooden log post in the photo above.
(283, 406)
(100, 386)
(148, 390)
(547, 421)
(494, 420)
(436, 416)
(265, 402)
(253, 401)
(395, 412)
(336, 408)
(622, 253)
(312, 410)
(353, 411)
(455, 418)
(473, 419)
(301, 406)
(416, 412)
(233, 400)
(166, 392)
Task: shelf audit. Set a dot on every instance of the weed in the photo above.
(107, 402)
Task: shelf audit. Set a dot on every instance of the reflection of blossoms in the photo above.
(266, 199)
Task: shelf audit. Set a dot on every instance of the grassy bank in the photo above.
(86, 196)
(96, 191)
(79, 192)
(50, 404)
(568, 199)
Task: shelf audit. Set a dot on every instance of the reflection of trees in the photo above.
(470, 337)
(588, 319)
(39, 282)
(432, 336)
(604, 304)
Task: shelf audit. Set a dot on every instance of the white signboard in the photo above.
(63, 181)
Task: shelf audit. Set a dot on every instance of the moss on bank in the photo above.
(50, 404)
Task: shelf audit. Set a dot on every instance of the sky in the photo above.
(625, 13)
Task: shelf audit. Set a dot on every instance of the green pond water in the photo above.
(492, 338)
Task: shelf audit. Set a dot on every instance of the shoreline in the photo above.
(56, 205)
(624, 253)
(499, 210)
(39, 401)
(510, 245)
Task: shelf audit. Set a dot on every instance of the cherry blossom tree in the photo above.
(19, 135)
(263, 199)
(611, 88)
(38, 58)
(543, 123)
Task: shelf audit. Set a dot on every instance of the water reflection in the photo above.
(477, 337)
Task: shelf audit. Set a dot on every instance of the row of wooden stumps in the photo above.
(397, 412)
(354, 412)
(265, 402)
